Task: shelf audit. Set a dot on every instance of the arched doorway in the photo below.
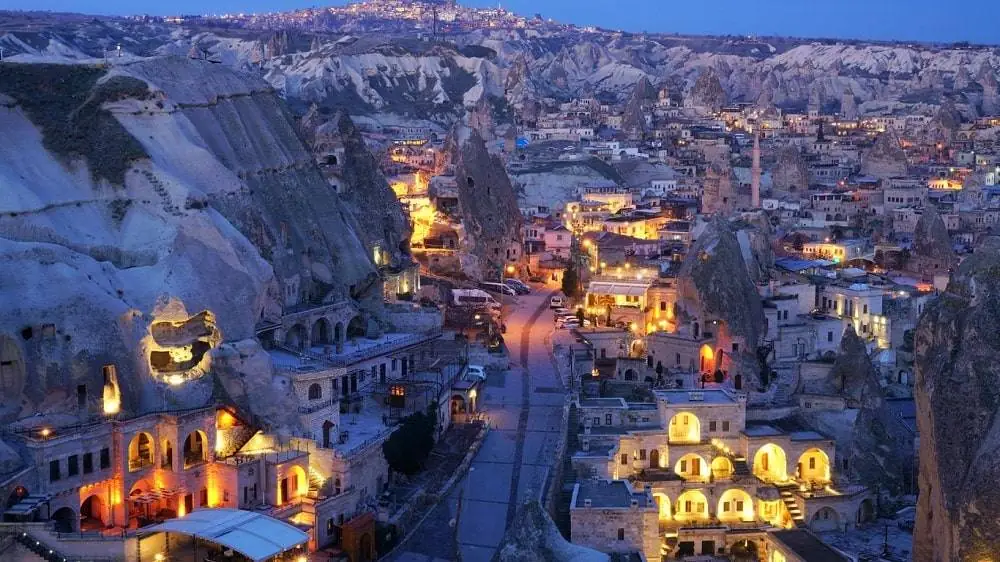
(722, 468)
(321, 332)
(654, 458)
(140, 452)
(65, 520)
(691, 506)
(630, 374)
(826, 519)
(814, 467)
(684, 428)
(356, 328)
(327, 434)
(662, 506)
(366, 548)
(707, 358)
(770, 464)
(866, 512)
(92, 514)
(294, 485)
(296, 337)
(195, 448)
(691, 467)
(735, 505)
(458, 407)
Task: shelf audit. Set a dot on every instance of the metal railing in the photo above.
(315, 407)
(140, 463)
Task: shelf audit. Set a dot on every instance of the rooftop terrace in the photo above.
(605, 494)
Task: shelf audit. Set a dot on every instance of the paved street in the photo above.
(524, 406)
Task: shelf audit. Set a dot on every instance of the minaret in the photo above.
(755, 172)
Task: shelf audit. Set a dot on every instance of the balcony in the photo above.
(135, 465)
(315, 406)
(192, 458)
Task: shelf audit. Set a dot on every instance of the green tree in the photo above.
(408, 447)
(570, 280)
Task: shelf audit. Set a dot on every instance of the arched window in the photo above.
(315, 392)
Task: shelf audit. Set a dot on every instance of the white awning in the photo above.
(254, 535)
(625, 289)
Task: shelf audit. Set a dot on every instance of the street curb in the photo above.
(442, 492)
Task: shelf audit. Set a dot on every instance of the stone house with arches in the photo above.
(719, 481)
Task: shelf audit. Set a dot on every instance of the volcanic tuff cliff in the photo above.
(957, 391)
(219, 208)
(366, 73)
(491, 219)
(715, 279)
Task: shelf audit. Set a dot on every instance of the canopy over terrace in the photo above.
(254, 535)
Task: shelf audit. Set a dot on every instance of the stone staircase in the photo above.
(788, 497)
(740, 467)
(17, 552)
(316, 483)
(562, 517)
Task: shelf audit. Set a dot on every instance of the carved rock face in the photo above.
(958, 398)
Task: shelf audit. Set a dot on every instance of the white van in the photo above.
(557, 301)
(475, 298)
(499, 288)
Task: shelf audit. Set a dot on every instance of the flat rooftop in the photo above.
(318, 358)
(604, 494)
(806, 436)
(762, 430)
(602, 403)
(808, 546)
(694, 396)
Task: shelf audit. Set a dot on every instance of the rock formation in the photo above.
(714, 281)
(491, 219)
(931, 243)
(790, 176)
(885, 159)
(707, 92)
(226, 221)
(957, 392)
(534, 537)
(379, 216)
(718, 193)
(848, 105)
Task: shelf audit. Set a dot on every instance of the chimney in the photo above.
(634, 502)
(586, 502)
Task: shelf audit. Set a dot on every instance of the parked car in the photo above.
(498, 288)
(518, 286)
(557, 301)
(475, 371)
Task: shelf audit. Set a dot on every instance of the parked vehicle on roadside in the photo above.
(498, 288)
(518, 286)
(557, 301)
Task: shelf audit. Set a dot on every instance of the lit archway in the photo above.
(722, 468)
(814, 466)
(691, 506)
(691, 467)
(684, 428)
(770, 464)
(92, 513)
(195, 448)
(707, 357)
(140, 452)
(735, 505)
(295, 485)
(662, 506)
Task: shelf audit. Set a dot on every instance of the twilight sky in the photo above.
(924, 20)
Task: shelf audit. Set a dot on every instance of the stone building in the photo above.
(610, 516)
(718, 481)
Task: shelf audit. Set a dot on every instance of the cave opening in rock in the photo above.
(179, 347)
